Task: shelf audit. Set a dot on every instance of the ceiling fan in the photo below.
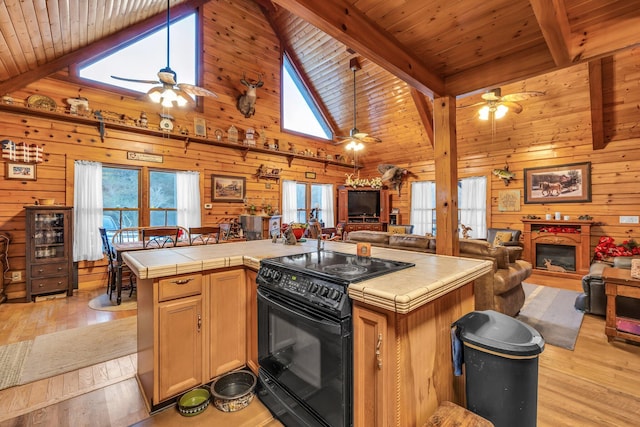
(171, 91)
(496, 105)
(355, 135)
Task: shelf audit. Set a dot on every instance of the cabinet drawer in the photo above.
(46, 270)
(50, 284)
(179, 286)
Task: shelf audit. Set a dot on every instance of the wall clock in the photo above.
(166, 122)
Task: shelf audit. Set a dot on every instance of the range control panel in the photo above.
(312, 290)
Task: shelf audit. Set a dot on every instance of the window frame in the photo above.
(303, 87)
(144, 192)
(113, 43)
(459, 210)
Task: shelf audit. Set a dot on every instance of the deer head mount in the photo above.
(247, 101)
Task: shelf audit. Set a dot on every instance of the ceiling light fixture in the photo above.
(498, 111)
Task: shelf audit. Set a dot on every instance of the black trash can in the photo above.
(500, 356)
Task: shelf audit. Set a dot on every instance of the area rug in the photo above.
(65, 351)
(551, 312)
(12, 357)
(103, 303)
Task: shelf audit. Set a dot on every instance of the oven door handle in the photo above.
(322, 324)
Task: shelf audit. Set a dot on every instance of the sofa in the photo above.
(500, 290)
(593, 300)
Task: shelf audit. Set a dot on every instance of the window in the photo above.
(162, 198)
(300, 200)
(126, 205)
(120, 198)
(300, 112)
(472, 206)
(145, 56)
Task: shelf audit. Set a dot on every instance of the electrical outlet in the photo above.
(16, 276)
(628, 219)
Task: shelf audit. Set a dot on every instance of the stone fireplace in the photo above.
(559, 248)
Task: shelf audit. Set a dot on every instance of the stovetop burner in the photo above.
(337, 266)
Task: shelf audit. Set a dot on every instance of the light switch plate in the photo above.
(629, 219)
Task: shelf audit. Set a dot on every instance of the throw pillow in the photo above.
(501, 237)
(397, 229)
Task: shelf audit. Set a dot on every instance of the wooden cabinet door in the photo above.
(372, 367)
(252, 320)
(179, 346)
(227, 321)
(343, 205)
(385, 206)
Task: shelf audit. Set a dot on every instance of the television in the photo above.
(363, 203)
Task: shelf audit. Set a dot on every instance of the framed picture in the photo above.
(558, 184)
(227, 188)
(21, 171)
(200, 126)
(509, 200)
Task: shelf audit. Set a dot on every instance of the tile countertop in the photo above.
(400, 291)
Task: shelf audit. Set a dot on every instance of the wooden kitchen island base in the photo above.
(402, 362)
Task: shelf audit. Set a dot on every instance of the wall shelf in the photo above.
(187, 139)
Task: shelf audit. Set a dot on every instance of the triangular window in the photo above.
(300, 112)
(144, 57)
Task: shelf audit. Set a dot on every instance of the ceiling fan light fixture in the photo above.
(168, 96)
(355, 145)
(498, 111)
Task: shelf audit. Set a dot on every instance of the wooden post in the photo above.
(446, 162)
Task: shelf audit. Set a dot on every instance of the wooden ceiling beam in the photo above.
(554, 23)
(102, 46)
(424, 111)
(597, 104)
(348, 25)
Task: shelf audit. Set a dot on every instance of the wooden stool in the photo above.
(451, 415)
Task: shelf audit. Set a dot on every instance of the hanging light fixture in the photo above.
(497, 111)
(170, 93)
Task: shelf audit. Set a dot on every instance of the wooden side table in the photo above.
(618, 282)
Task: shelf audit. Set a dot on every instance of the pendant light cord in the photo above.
(168, 25)
(354, 100)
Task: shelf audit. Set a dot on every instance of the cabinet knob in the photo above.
(41, 285)
(40, 270)
(59, 268)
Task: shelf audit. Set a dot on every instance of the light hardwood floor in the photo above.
(597, 384)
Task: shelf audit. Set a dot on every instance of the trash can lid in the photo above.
(500, 333)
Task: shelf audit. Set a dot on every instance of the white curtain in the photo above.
(188, 199)
(289, 202)
(326, 206)
(472, 205)
(87, 204)
(423, 203)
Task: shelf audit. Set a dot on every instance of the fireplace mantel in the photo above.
(572, 235)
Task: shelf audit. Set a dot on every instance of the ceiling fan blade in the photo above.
(370, 139)
(513, 106)
(521, 96)
(196, 90)
(151, 82)
(474, 104)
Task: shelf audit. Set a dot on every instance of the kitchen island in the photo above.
(196, 321)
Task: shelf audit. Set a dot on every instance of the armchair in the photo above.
(504, 236)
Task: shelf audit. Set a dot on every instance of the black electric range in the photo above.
(320, 278)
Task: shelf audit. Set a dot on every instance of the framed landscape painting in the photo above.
(558, 184)
(21, 171)
(227, 188)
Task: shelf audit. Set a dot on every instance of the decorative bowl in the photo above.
(46, 202)
(234, 391)
(194, 401)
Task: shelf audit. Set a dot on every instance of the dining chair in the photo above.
(113, 266)
(203, 235)
(159, 237)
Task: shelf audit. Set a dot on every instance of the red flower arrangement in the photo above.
(558, 229)
(606, 248)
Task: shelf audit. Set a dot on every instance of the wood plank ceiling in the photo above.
(407, 48)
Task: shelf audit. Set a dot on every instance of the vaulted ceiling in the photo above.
(409, 50)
